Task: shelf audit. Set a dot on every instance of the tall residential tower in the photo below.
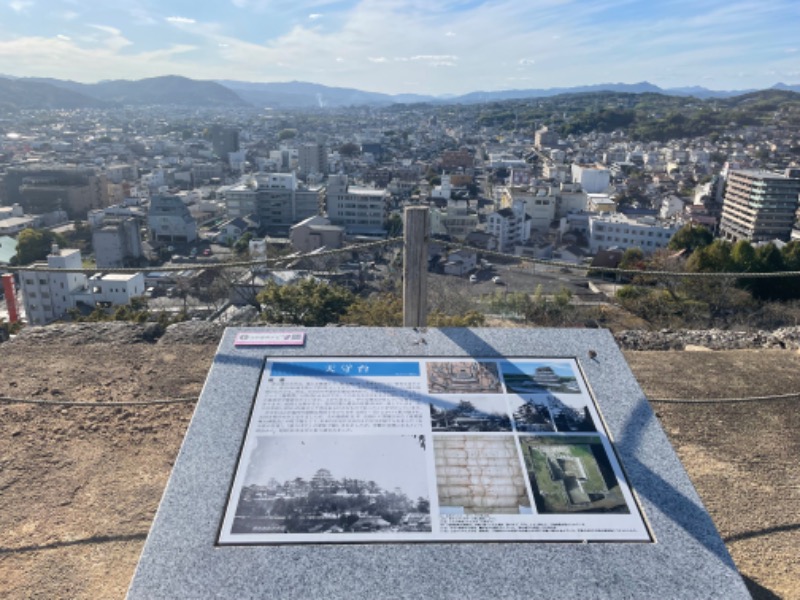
(759, 206)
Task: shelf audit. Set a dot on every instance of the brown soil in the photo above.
(80, 485)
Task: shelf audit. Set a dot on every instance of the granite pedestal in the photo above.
(181, 558)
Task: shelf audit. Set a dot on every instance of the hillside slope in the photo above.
(80, 485)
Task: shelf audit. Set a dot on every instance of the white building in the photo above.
(670, 206)
(461, 262)
(510, 226)
(279, 201)
(117, 244)
(619, 231)
(361, 211)
(593, 180)
(169, 220)
(112, 289)
(456, 220)
(444, 190)
(48, 295)
(539, 206)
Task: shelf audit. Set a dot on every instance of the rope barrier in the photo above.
(278, 261)
(724, 400)
(216, 265)
(573, 266)
(9, 400)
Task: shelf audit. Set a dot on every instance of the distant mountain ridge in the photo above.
(167, 90)
(35, 93)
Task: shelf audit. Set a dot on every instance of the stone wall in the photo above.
(713, 339)
(481, 474)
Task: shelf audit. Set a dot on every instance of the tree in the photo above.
(286, 134)
(350, 149)
(714, 258)
(394, 225)
(690, 238)
(743, 256)
(35, 244)
(384, 310)
(632, 258)
(242, 245)
(310, 302)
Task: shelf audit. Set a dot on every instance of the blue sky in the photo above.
(421, 46)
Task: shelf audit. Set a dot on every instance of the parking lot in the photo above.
(525, 278)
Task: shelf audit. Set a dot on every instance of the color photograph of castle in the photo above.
(536, 377)
(571, 474)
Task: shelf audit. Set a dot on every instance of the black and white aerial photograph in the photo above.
(334, 484)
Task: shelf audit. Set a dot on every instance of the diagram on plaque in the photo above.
(427, 449)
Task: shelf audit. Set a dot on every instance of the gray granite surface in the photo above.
(180, 559)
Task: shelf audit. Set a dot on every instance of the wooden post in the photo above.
(415, 267)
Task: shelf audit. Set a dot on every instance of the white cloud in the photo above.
(384, 44)
(63, 37)
(20, 6)
(181, 20)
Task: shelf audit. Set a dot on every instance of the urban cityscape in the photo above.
(170, 194)
(608, 289)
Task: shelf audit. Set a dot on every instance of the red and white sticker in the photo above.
(270, 339)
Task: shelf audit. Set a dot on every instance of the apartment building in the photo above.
(312, 158)
(277, 199)
(759, 206)
(510, 226)
(169, 220)
(616, 230)
(48, 295)
(361, 211)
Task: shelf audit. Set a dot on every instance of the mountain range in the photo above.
(37, 93)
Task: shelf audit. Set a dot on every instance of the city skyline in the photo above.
(407, 46)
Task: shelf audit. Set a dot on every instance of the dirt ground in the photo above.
(80, 485)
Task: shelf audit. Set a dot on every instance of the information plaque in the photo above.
(427, 449)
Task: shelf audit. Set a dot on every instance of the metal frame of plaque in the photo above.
(370, 449)
(442, 463)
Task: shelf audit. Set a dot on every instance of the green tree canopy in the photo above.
(35, 244)
(690, 238)
(743, 256)
(308, 302)
(632, 258)
(716, 257)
